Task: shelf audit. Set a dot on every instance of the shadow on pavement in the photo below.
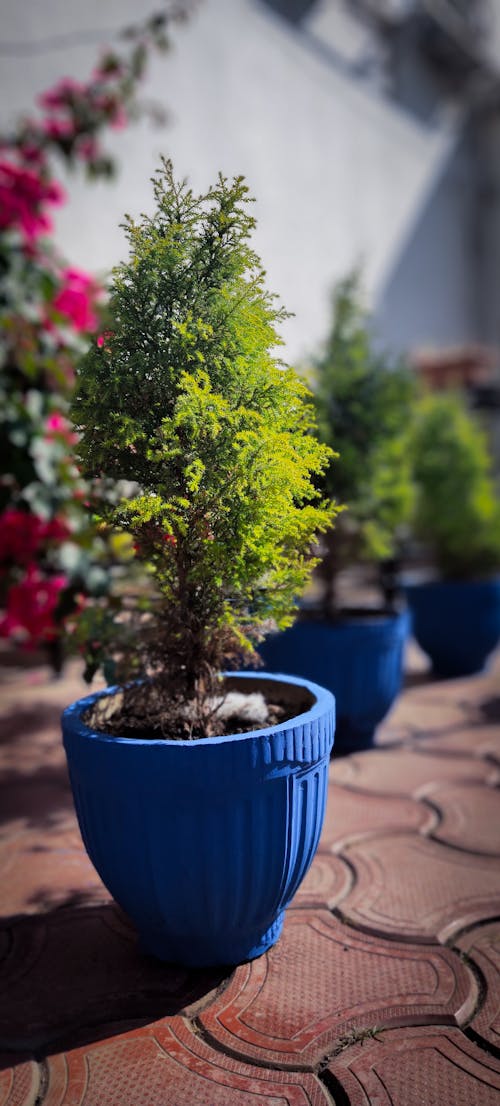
(75, 974)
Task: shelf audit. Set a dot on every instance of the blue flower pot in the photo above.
(203, 843)
(359, 658)
(456, 622)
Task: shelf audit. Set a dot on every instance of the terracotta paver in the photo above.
(407, 771)
(19, 1081)
(422, 712)
(383, 990)
(348, 818)
(274, 1012)
(326, 883)
(478, 741)
(482, 944)
(437, 706)
(37, 874)
(469, 816)
(411, 887)
(418, 1068)
(166, 1064)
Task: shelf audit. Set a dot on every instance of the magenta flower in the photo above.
(31, 606)
(59, 129)
(76, 299)
(23, 195)
(57, 426)
(22, 535)
(30, 152)
(58, 96)
(56, 422)
(103, 339)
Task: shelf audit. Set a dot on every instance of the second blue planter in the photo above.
(359, 658)
(456, 622)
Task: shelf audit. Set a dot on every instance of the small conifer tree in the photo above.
(457, 510)
(202, 442)
(363, 402)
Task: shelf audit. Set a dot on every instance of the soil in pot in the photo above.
(232, 711)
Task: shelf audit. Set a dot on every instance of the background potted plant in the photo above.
(456, 616)
(363, 402)
(201, 811)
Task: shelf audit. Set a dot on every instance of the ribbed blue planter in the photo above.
(360, 659)
(203, 843)
(456, 622)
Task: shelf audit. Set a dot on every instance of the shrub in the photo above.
(185, 406)
(456, 510)
(363, 402)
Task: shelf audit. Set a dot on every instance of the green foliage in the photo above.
(363, 403)
(186, 403)
(456, 510)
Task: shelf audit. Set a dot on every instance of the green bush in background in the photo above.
(363, 401)
(456, 509)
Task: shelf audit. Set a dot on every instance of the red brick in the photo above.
(166, 1064)
(418, 1067)
(410, 887)
(323, 980)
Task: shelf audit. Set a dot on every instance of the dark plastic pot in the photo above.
(456, 622)
(359, 658)
(203, 843)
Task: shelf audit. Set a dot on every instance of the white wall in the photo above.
(340, 174)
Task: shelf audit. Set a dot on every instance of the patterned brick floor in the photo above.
(384, 989)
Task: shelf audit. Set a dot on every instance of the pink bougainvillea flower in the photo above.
(57, 97)
(76, 299)
(103, 339)
(30, 152)
(23, 196)
(56, 422)
(58, 129)
(57, 426)
(22, 535)
(57, 530)
(31, 606)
